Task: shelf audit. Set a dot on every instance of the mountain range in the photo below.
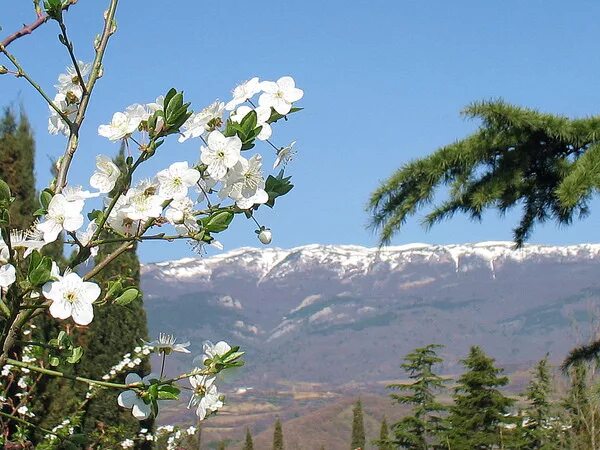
(342, 317)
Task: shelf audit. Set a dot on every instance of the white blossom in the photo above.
(175, 181)
(199, 124)
(123, 123)
(62, 215)
(72, 297)
(180, 215)
(127, 443)
(205, 398)
(131, 400)
(56, 124)
(221, 154)
(84, 237)
(245, 183)
(212, 350)
(167, 343)
(69, 81)
(280, 95)
(30, 240)
(285, 155)
(191, 430)
(7, 275)
(75, 193)
(106, 175)
(142, 202)
(243, 92)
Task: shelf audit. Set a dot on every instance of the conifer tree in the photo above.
(422, 426)
(384, 443)
(479, 407)
(248, 445)
(358, 427)
(17, 154)
(538, 433)
(278, 436)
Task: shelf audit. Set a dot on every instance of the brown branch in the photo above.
(27, 29)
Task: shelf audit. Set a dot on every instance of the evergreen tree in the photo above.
(221, 446)
(278, 436)
(248, 445)
(358, 427)
(538, 433)
(384, 442)
(421, 427)
(479, 407)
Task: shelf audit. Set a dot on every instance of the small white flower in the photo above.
(142, 202)
(69, 82)
(280, 95)
(7, 275)
(175, 181)
(265, 236)
(85, 236)
(127, 443)
(3, 251)
(72, 297)
(245, 183)
(106, 175)
(206, 398)
(221, 154)
(243, 92)
(131, 400)
(263, 113)
(30, 240)
(200, 123)
(212, 350)
(22, 383)
(62, 215)
(191, 430)
(167, 343)
(55, 123)
(23, 410)
(123, 123)
(285, 155)
(180, 215)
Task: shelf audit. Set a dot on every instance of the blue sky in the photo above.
(384, 82)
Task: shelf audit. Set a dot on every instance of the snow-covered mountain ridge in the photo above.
(265, 262)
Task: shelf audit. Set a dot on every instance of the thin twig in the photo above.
(27, 29)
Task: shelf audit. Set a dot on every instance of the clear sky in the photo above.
(384, 82)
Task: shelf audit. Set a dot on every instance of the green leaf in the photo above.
(4, 191)
(174, 105)
(45, 197)
(40, 268)
(127, 297)
(275, 116)
(218, 222)
(277, 187)
(168, 392)
(75, 356)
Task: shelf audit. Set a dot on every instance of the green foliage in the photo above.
(358, 427)
(17, 154)
(519, 156)
(423, 425)
(248, 444)
(538, 432)
(384, 442)
(278, 436)
(479, 407)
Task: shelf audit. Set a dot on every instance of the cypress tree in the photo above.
(479, 407)
(248, 445)
(17, 155)
(358, 427)
(278, 436)
(422, 426)
(384, 442)
(538, 433)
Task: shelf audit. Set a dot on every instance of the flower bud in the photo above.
(3, 70)
(265, 236)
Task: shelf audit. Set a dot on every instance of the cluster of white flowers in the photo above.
(68, 97)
